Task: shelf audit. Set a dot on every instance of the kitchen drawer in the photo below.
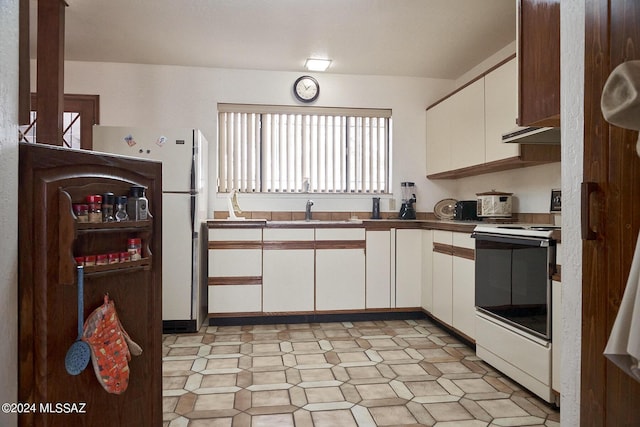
(235, 234)
(464, 240)
(235, 299)
(524, 358)
(235, 262)
(340, 233)
(444, 237)
(288, 234)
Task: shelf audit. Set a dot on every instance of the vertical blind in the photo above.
(293, 149)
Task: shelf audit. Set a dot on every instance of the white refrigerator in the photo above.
(183, 153)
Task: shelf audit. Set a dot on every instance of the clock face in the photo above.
(306, 89)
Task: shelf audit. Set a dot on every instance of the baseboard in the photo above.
(179, 326)
(315, 318)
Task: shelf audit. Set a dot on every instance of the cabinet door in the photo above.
(408, 267)
(539, 56)
(288, 270)
(556, 331)
(287, 280)
(463, 303)
(464, 275)
(378, 269)
(427, 270)
(442, 287)
(340, 279)
(467, 126)
(442, 276)
(501, 110)
(439, 137)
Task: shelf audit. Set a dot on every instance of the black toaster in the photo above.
(466, 210)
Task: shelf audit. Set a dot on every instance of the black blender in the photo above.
(408, 210)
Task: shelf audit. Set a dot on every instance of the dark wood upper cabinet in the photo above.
(539, 62)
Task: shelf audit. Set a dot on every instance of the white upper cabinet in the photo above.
(438, 137)
(501, 110)
(467, 130)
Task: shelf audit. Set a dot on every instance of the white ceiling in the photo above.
(424, 38)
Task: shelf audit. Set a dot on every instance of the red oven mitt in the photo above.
(111, 347)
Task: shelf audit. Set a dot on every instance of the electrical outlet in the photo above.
(392, 204)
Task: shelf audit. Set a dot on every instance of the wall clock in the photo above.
(306, 89)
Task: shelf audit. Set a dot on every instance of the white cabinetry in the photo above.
(442, 276)
(235, 270)
(288, 269)
(465, 129)
(453, 275)
(340, 269)
(408, 267)
(378, 269)
(427, 268)
(463, 301)
(439, 137)
(501, 110)
(467, 126)
(556, 333)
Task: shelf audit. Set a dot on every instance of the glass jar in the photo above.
(114, 258)
(95, 208)
(81, 211)
(137, 205)
(89, 260)
(108, 200)
(134, 247)
(125, 257)
(121, 209)
(102, 259)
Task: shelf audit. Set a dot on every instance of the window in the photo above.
(280, 149)
(80, 114)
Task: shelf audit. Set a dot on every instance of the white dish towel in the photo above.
(623, 347)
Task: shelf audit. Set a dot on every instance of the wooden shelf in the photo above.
(121, 267)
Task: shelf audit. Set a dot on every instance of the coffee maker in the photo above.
(407, 209)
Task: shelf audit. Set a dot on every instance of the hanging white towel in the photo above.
(623, 347)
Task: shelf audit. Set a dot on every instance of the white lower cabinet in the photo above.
(453, 280)
(408, 267)
(288, 270)
(379, 268)
(556, 331)
(442, 278)
(235, 270)
(426, 293)
(463, 302)
(340, 269)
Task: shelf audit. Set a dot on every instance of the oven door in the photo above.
(513, 280)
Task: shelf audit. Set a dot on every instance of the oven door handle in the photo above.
(526, 241)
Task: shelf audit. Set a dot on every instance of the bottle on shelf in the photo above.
(137, 204)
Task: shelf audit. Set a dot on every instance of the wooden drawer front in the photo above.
(235, 299)
(288, 234)
(340, 234)
(235, 234)
(235, 262)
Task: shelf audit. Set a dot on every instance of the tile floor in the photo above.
(379, 373)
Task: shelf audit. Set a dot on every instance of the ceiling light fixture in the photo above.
(315, 64)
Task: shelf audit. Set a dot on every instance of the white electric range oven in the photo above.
(514, 265)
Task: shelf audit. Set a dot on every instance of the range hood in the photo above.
(533, 135)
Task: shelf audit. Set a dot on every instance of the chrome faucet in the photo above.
(307, 212)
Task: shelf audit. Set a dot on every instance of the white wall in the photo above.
(148, 95)
(168, 96)
(572, 16)
(8, 206)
